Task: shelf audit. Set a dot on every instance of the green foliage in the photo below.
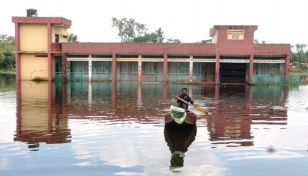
(132, 31)
(154, 37)
(159, 36)
(273, 71)
(205, 41)
(7, 56)
(147, 38)
(172, 40)
(72, 38)
(129, 29)
(299, 56)
(256, 41)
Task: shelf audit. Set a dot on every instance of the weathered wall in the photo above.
(33, 38)
(33, 67)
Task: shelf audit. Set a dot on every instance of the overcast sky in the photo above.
(282, 21)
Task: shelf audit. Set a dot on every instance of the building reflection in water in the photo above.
(236, 108)
(44, 108)
(40, 116)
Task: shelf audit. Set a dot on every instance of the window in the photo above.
(149, 68)
(57, 36)
(183, 68)
(133, 68)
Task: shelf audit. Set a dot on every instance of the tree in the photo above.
(306, 56)
(147, 38)
(72, 38)
(7, 43)
(258, 42)
(129, 29)
(154, 37)
(172, 40)
(160, 36)
(293, 54)
(299, 54)
(7, 48)
(1, 58)
(132, 31)
(300, 49)
(205, 41)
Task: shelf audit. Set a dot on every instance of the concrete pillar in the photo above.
(50, 106)
(190, 92)
(18, 107)
(217, 69)
(203, 73)
(90, 95)
(114, 67)
(17, 54)
(287, 65)
(90, 67)
(285, 99)
(217, 99)
(191, 71)
(114, 96)
(165, 68)
(164, 95)
(139, 96)
(139, 68)
(250, 68)
(50, 60)
(64, 99)
(64, 67)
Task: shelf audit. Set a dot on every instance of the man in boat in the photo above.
(185, 97)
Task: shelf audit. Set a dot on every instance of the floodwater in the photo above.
(107, 128)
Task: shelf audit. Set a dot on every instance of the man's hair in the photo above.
(184, 89)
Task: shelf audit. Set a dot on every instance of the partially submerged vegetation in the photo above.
(39, 79)
(296, 71)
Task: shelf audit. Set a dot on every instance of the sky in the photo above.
(282, 21)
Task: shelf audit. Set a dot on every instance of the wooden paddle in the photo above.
(195, 106)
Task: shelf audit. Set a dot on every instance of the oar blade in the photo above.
(201, 109)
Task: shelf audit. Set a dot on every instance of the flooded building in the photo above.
(42, 52)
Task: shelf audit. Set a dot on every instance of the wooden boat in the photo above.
(179, 116)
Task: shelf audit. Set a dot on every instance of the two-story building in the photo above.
(42, 52)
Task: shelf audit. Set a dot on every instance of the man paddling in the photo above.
(185, 97)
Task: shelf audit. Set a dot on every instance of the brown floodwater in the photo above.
(104, 128)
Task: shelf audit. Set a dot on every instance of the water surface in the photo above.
(105, 128)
